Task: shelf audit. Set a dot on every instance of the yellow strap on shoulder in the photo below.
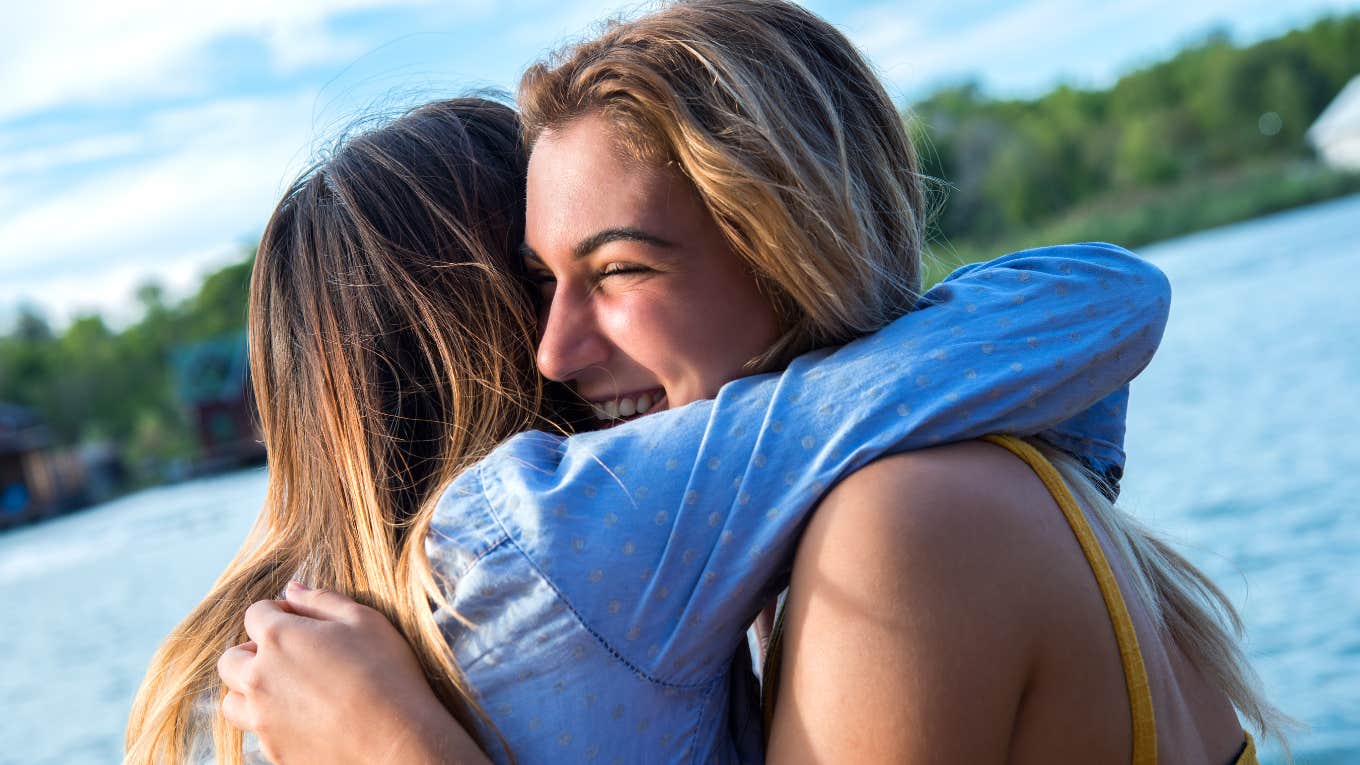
(1135, 673)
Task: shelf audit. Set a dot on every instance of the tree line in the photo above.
(1223, 119)
(93, 383)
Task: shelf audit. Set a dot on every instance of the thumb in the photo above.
(323, 604)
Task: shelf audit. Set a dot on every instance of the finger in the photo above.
(236, 711)
(233, 666)
(265, 618)
(323, 604)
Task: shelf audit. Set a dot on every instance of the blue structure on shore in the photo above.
(40, 478)
(28, 483)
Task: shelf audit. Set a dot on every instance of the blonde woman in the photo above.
(976, 603)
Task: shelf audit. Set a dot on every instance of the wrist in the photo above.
(431, 736)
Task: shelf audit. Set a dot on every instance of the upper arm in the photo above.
(903, 642)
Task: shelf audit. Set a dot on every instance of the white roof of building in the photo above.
(1340, 118)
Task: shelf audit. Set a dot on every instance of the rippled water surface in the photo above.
(1244, 443)
(1242, 439)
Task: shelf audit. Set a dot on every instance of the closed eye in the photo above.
(540, 277)
(617, 269)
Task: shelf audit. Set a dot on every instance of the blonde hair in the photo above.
(1181, 600)
(390, 346)
(787, 136)
(798, 153)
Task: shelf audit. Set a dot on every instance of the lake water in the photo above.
(1242, 443)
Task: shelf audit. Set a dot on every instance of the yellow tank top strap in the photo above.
(1135, 673)
(1130, 655)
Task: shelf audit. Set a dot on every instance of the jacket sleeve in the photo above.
(666, 534)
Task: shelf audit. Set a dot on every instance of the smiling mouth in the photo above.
(625, 408)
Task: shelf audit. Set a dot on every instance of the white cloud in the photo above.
(108, 288)
(554, 23)
(91, 206)
(60, 52)
(910, 54)
(165, 216)
(54, 156)
(128, 190)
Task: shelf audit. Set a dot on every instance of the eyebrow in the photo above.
(601, 238)
(622, 234)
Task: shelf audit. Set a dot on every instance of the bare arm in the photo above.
(904, 643)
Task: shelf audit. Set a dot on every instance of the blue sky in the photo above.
(149, 139)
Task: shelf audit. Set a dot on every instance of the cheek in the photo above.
(669, 333)
(748, 324)
(704, 332)
(646, 325)
(734, 300)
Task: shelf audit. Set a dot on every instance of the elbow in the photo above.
(1143, 289)
(1151, 285)
(1152, 304)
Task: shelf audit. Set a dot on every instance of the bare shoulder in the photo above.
(960, 527)
(960, 501)
(905, 638)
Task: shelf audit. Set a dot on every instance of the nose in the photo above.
(571, 339)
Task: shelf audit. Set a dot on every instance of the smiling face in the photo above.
(646, 305)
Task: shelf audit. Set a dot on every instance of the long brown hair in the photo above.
(805, 164)
(391, 344)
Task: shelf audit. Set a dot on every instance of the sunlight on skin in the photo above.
(644, 295)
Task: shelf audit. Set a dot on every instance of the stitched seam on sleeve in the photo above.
(703, 712)
(474, 474)
(480, 557)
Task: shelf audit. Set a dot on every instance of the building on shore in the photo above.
(37, 479)
(40, 478)
(1335, 136)
(27, 486)
(212, 383)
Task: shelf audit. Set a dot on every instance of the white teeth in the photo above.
(623, 408)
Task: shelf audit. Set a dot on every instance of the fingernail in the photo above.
(299, 586)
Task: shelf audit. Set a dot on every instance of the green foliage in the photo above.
(1146, 216)
(1013, 168)
(92, 383)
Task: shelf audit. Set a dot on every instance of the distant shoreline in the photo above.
(1135, 220)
